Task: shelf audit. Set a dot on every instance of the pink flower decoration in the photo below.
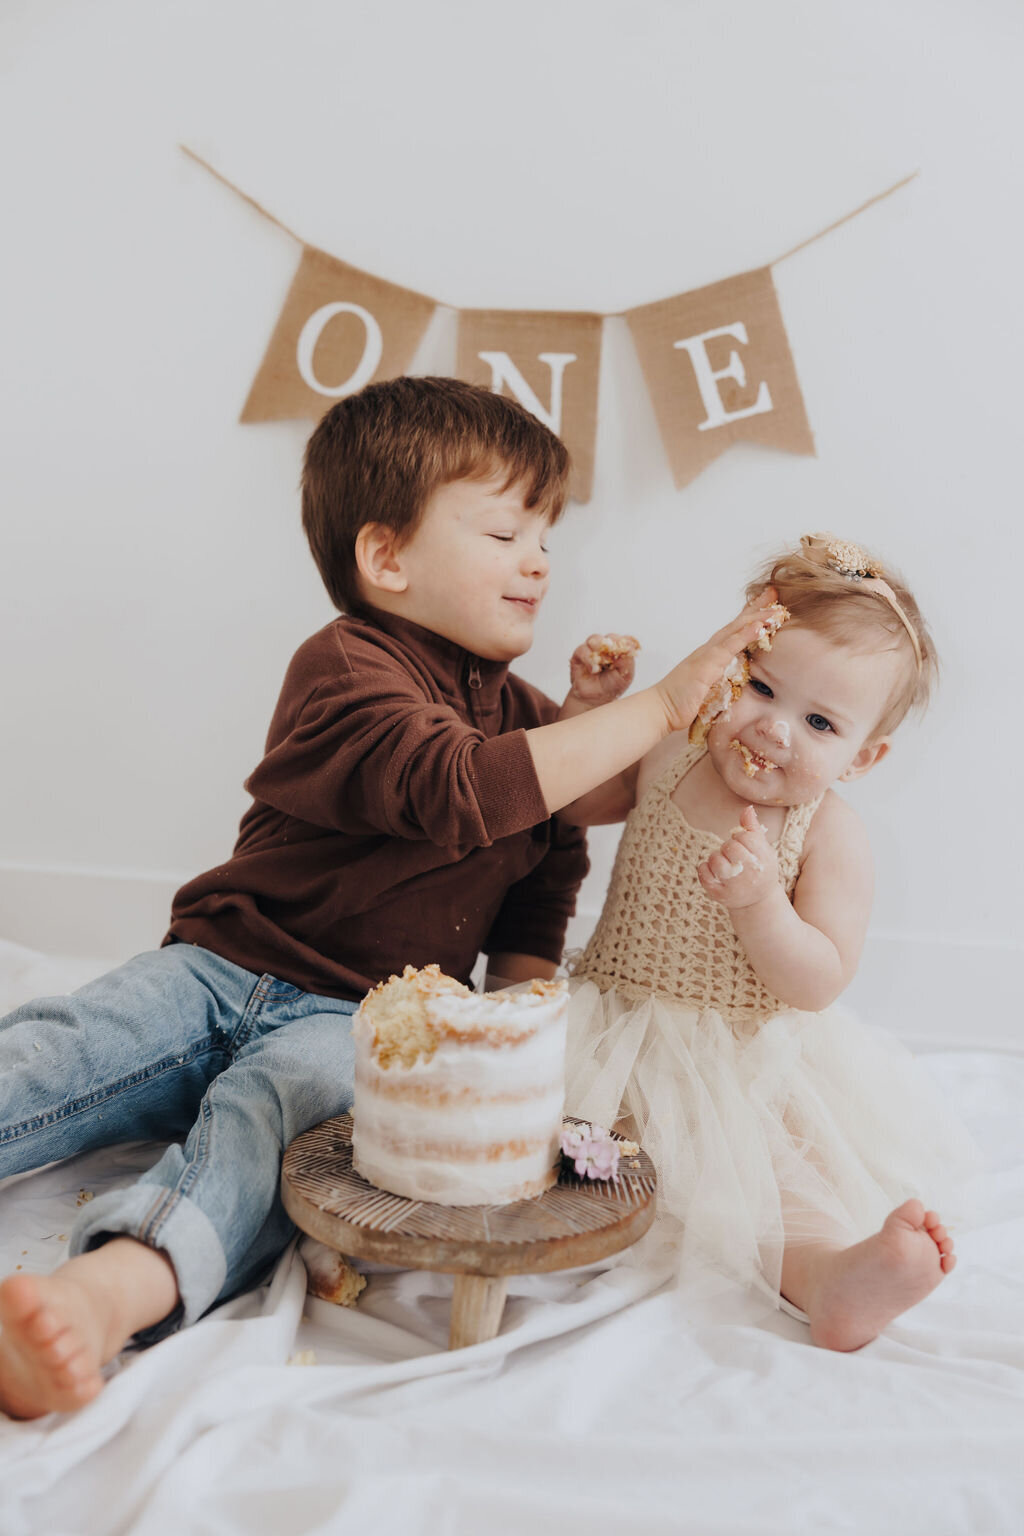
(594, 1152)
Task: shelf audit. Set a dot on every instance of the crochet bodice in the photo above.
(659, 933)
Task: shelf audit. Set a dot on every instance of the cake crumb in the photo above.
(84, 1196)
(303, 1357)
(329, 1275)
(609, 649)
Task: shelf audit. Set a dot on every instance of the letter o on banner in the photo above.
(314, 329)
(377, 341)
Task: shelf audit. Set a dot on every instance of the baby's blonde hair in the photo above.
(849, 612)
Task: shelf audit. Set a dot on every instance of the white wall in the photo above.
(584, 154)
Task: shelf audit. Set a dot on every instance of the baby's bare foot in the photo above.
(52, 1341)
(859, 1290)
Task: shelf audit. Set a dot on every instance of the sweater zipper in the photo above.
(475, 680)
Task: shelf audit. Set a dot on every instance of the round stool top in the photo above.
(578, 1221)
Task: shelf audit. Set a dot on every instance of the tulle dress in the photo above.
(767, 1125)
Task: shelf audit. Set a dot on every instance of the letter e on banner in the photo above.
(719, 370)
(550, 363)
(339, 330)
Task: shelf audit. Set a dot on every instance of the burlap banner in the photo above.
(550, 363)
(339, 330)
(716, 360)
(719, 370)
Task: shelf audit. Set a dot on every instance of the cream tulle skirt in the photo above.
(806, 1126)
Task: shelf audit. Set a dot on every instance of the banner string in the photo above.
(610, 315)
(267, 215)
(239, 193)
(845, 219)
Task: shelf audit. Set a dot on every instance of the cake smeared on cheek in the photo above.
(735, 677)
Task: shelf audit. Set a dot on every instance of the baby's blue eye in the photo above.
(818, 723)
(761, 688)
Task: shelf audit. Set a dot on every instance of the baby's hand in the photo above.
(602, 668)
(745, 869)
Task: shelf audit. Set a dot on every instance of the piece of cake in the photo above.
(329, 1276)
(735, 677)
(459, 1096)
(608, 649)
(753, 762)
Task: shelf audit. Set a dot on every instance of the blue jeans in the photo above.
(178, 1045)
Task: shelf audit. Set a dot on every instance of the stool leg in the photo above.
(477, 1305)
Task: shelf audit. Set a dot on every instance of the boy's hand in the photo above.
(602, 668)
(684, 689)
(745, 869)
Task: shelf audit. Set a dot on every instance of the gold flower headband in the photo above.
(849, 560)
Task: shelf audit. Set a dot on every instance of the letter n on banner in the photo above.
(550, 363)
(719, 370)
(339, 329)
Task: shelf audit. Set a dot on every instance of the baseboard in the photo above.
(933, 991)
(82, 911)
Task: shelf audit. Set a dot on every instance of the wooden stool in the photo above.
(576, 1222)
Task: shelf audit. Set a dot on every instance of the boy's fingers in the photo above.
(749, 820)
(740, 632)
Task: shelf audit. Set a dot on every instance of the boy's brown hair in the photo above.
(378, 456)
(848, 612)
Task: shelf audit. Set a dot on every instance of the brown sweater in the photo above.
(396, 820)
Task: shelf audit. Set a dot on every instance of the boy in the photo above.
(403, 814)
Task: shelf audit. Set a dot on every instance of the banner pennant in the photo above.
(339, 330)
(716, 360)
(719, 370)
(550, 363)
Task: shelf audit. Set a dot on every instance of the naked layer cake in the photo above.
(459, 1096)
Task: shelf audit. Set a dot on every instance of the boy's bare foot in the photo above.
(58, 1331)
(51, 1346)
(857, 1291)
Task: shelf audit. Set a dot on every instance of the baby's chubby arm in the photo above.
(805, 951)
(600, 749)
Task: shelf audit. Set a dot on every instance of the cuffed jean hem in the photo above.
(170, 1223)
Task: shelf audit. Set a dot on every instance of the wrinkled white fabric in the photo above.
(604, 1398)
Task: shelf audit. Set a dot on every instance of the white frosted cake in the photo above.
(459, 1096)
